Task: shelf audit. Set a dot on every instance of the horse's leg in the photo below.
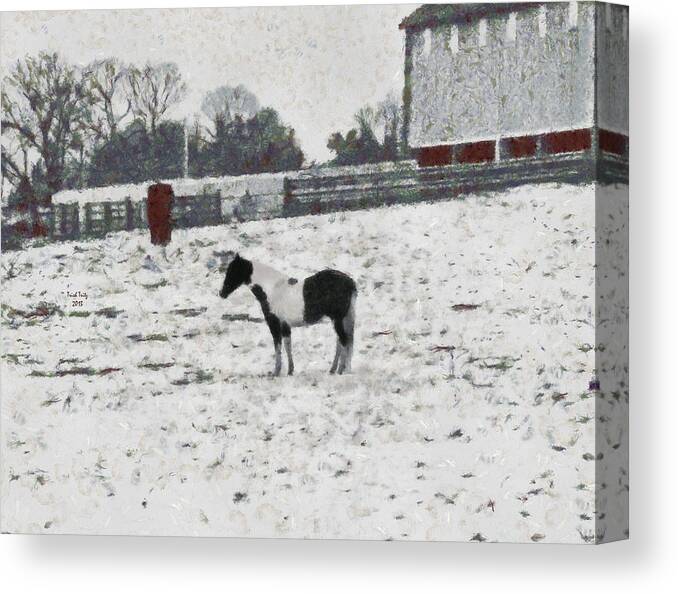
(276, 332)
(342, 344)
(349, 328)
(287, 341)
(337, 352)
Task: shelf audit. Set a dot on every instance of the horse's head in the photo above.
(239, 272)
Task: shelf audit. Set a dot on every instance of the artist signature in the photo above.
(77, 298)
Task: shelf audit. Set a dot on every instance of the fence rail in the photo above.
(197, 211)
(323, 194)
(315, 194)
(62, 222)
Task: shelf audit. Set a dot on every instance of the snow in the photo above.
(231, 186)
(234, 186)
(149, 409)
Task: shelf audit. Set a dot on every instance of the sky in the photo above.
(316, 65)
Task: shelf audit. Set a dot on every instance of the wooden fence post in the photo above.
(88, 218)
(108, 217)
(216, 206)
(129, 214)
(287, 190)
(52, 221)
(61, 209)
(76, 221)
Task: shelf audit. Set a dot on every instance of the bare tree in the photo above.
(44, 105)
(106, 80)
(14, 162)
(367, 119)
(389, 115)
(375, 138)
(153, 90)
(225, 103)
(383, 121)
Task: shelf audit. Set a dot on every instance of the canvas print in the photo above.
(353, 272)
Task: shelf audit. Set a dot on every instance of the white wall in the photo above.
(517, 83)
(520, 81)
(646, 563)
(613, 52)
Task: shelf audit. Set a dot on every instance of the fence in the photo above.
(331, 193)
(105, 217)
(62, 222)
(196, 211)
(325, 191)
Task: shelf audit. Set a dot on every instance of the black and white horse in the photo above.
(287, 303)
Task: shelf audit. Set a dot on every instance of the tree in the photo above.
(197, 163)
(224, 104)
(367, 119)
(239, 144)
(361, 144)
(44, 105)
(133, 155)
(389, 113)
(15, 169)
(270, 145)
(153, 90)
(111, 101)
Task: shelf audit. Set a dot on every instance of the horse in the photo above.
(287, 303)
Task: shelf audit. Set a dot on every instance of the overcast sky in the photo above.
(315, 65)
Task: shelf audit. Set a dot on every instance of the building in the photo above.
(486, 82)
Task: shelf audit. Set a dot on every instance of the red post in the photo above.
(159, 210)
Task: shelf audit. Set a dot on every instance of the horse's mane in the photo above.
(268, 271)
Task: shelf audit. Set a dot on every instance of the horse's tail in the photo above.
(349, 330)
(349, 318)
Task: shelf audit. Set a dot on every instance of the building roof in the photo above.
(431, 15)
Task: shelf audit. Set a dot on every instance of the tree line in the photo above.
(65, 127)
(377, 136)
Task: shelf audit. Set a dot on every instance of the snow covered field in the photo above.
(145, 406)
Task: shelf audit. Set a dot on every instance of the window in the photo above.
(482, 33)
(454, 39)
(573, 11)
(427, 42)
(541, 19)
(511, 28)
